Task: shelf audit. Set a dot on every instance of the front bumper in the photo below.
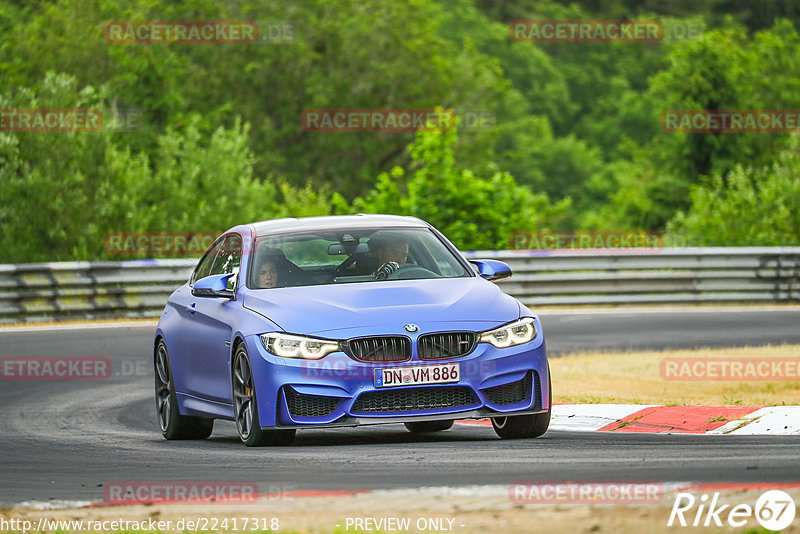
(339, 391)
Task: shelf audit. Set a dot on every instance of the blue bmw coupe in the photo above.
(346, 321)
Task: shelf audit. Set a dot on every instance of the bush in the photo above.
(474, 212)
(752, 206)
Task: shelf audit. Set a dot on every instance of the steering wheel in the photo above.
(407, 272)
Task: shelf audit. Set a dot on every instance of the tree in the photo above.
(53, 184)
(754, 206)
(723, 70)
(66, 191)
(474, 212)
(339, 55)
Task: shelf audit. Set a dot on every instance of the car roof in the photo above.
(336, 221)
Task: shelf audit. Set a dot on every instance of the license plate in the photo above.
(444, 373)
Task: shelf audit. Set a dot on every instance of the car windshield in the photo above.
(351, 255)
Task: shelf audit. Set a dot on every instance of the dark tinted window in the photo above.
(228, 258)
(203, 269)
(341, 256)
(225, 257)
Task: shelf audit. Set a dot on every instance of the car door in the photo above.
(182, 345)
(208, 331)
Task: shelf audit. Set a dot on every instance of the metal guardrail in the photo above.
(89, 290)
(132, 289)
(653, 276)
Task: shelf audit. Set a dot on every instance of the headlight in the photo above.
(515, 333)
(290, 346)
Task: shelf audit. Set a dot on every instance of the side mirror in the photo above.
(492, 270)
(215, 285)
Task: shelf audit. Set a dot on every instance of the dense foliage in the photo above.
(574, 141)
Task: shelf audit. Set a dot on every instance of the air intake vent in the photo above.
(513, 393)
(413, 399)
(309, 405)
(380, 349)
(443, 345)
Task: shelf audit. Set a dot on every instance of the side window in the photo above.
(228, 258)
(204, 267)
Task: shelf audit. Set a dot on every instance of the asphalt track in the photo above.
(65, 440)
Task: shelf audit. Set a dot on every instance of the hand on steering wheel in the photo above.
(386, 269)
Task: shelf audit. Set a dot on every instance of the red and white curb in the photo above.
(739, 420)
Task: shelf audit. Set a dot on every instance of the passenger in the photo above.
(268, 274)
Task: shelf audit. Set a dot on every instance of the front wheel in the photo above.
(246, 407)
(173, 424)
(525, 426)
(521, 426)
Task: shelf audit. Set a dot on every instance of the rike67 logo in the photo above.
(774, 510)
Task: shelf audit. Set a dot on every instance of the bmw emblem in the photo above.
(411, 328)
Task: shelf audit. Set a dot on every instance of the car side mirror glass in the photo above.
(215, 285)
(492, 270)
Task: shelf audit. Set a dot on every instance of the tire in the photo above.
(174, 425)
(429, 426)
(245, 407)
(525, 426)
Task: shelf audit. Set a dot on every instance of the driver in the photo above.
(392, 253)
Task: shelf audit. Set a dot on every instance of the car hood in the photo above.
(369, 308)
